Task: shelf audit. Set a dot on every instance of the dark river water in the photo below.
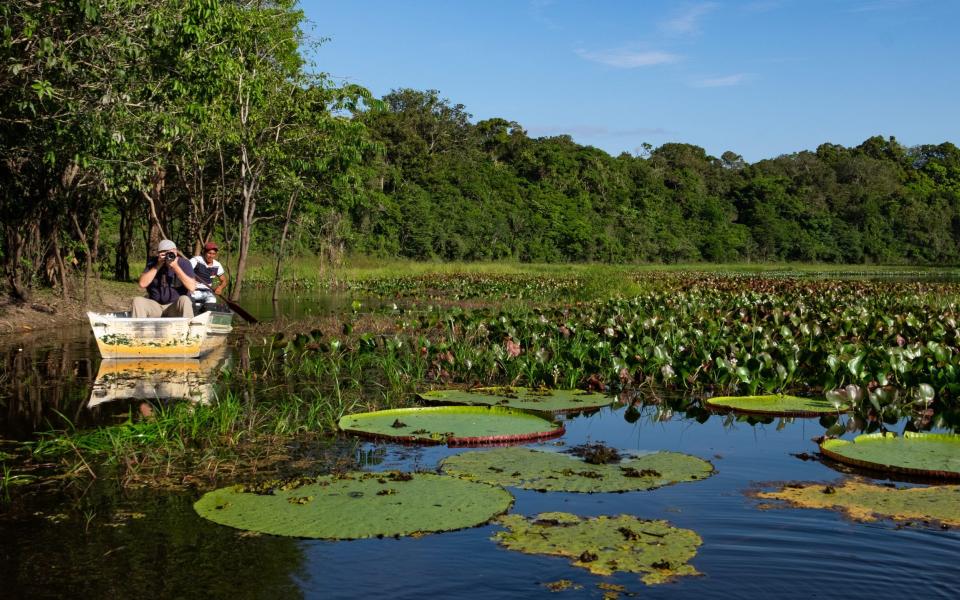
(142, 543)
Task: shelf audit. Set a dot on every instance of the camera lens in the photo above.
(171, 256)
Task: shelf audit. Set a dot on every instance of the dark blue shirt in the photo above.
(166, 287)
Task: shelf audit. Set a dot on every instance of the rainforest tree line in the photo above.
(123, 121)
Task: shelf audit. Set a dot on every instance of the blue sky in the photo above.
(759, 77)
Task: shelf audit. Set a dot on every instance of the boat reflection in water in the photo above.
(145, 383)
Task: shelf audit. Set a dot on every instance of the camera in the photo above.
(170, 256)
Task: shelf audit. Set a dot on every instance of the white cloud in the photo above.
(628, 59)
(687, 22)
(725, 81)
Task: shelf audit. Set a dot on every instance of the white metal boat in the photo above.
(121, 336)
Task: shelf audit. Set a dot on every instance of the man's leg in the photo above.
(183, 307)
(146, 308)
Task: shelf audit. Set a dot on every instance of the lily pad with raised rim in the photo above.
(453, 425)
(544, 400)
(863, 501)
(357, 505)
(551, 471)
(923, 454)
(776, 405)
(604, 545)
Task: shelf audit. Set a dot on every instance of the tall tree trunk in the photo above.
(57, 256)
(82, 235)
(16, 243)
(157, 209)
(121, 265)
(249, 181)
(283, 241)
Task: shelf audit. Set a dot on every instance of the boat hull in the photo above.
(121, 336)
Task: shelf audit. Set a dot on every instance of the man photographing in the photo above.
(168, 280)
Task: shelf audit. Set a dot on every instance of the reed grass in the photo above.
(231, 427)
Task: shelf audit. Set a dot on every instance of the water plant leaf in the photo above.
(925, 454)
(550, 471)
(453, 425)
(864, 501)
(357, 505)
(777, 405)
(544, 400)
(604, 545)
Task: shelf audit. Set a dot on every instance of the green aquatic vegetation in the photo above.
(454, 425)
(865, 501)
(358, 505)
(162, 436)
(924, 454)
(732, 333)
(605, 545)
(551, 471)
(9, 479)
(777, 405)
(539, 399)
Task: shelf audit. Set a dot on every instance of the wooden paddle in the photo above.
(239, 310)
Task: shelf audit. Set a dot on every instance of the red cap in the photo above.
(210, 246)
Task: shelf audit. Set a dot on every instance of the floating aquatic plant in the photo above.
(866, 502)
(604, 545)
(551, 471)
(454, 425)
(356, 505)
(777, 405)
(924, 454)
(538, 399)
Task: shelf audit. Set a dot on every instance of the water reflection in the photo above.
(58, 380)
(295, 304)
(44, 379)
(122, 383)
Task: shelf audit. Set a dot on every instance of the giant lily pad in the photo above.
(777, 405)
(551, 471)
(453, 425)
(924, 454)
(544, 400)
(357, 505)
(604, 545)
(865, 502)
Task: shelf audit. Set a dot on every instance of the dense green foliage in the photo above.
(452, 189)
(124, 121)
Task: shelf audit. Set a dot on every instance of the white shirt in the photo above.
(215, 268)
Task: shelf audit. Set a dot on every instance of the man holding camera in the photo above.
(168, 280)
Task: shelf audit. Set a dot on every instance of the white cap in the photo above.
(166, 245)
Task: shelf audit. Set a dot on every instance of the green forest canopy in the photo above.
(125, 121)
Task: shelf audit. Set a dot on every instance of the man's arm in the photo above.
(223, 282)
(185, 277)
(149, 274)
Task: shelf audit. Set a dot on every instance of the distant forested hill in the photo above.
(451, 189)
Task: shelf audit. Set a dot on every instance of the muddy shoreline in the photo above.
(48, 309)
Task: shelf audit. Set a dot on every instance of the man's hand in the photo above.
(188, 282)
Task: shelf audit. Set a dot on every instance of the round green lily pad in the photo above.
(544, 400)
(551, 471)
(357, 505)
(604, 545)
(777, 405)
(453, 425)
(924, 454)
(866, 502)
